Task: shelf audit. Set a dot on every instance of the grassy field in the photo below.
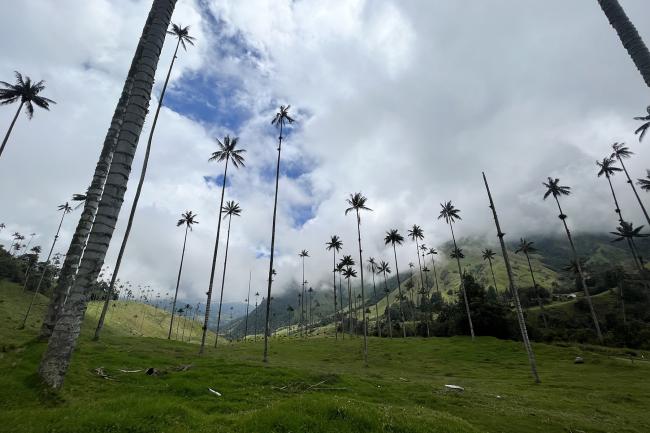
(316, 385)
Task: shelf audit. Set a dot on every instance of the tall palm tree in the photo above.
(302, 255)
(229, 210)
(416, 234)
(346, 262)
(607, 169)
(123, 142)
(188, 309)
(65, 209)
(384, 268)
(33, 261)
(450, 214)
(310, 316)
(423, 252)
(644, 183)
(348, 273)
(393, 237)
(621, 152)
(357, 203)
(227, 152)
(27, 92)
(196, 311)
(248, 303)
(489, 255)
(183, 37)
(432, 252)
(554, 188)
(372, 267)
(644, 126)
(629, 36)
(281, 118)
(513, 288)
(626, 230)
(188, 219)
(290, 311)
(335, 244)
(526, 247)
(257, 295)
(339, 269)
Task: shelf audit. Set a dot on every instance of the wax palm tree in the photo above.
(339, 269)
(281, 118)
(621, 152)
(526, 247)
(416, 234)
(357, 203)
(423, 253)
(290, 311)
(384, 268)
(554, 188)
(457, 254)
(122, 140)
(310, 316)
(65, 209)
(346, 262)
(18, 238)
(248, 303)
(335, 244)
(513, 288)
(450, 214)
(348, 273)
(645, 126)
(432, 252)
(302, 255)
(393, 237)
(626, 230)
(489, 255)
(229, 210)
(27, 92)
(629, 36)
(372, 267)
(33, 260)
(183, 37)
(644, 183)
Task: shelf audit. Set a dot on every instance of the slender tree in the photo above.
(489, 255)
(183, 38)
(335, 244)
(347, 262)
(641, 130)
(248, 303)
(394, 238)
(62, 342)
(526, 247)
(357, 203)
(27, 92)
(513, 288)
(554, 188)
(621, 152)
(33, 261)
(372, 267)
(432, 252)
(188, 219)
(281, 118)
(384, 268)
(302, 255)
(310, 317)
(348, 273)
(257, 294)
(229, 210)
(339, 269)
(645, 183)
(450, 214)
(416, 234)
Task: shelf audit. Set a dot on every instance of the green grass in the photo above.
(317, 385)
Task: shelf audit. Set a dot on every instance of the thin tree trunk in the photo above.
(350, 327)
(223, 282)
(336, 329)
(647, 218)
(582, 276)
(11, 126)
(494, 280)
(184, 323)
(630, 241)
(390, 325)
(27, 274)
(462, 284)
(178, 282)
(56, 360)
(302, 304)
(363, 295)
(399, 290)
(513, 289)
(136, 199)
(539, 298)
(248, 303)
(629, 36)
(374, 292)
(256, 313)
(342, 314)
(435, 273)
(417, 248)
(196, 311)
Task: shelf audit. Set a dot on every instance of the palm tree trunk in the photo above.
(539, 298)
(256, 313)
(223, 281)
(399, 290)
(374, 293)
(417, 248)
(11, 126)
(56, 360)
(462, 284)
(350, 328)
(248, 303)
(178, 282)
(494, 280)
(645, 213)
(184, 317)
(47, 262)
(582, 276)
(363, 295)
(629, 36)
(435, 273)
(302, 304)
(275, 209)
(390, 325)
(136, 199)
(513, 289)
(630, 241)
(336, 329)
(27, 274)
(196, 311)
(206, 320)
(342, 314)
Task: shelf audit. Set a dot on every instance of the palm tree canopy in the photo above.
(357, 202)
(188, 218)
(621, 151)
(282, 116)
(230, 209)
(457, 253)
(488, 254)
(393, 237)
(416, 233)
(372, 264)
(645, 183)
(525, 247)
(349, 273)
(304, 253)
(607, 167)
(432, 252)
(65, 207)
(449, 212)
(228, 150)
(626, 230)
(572, 266)
(183, 34)
(27, 92)
(383, 267)
(644, 127)
(347, 261)
(553, 187)
(36, 249)
(334, 243)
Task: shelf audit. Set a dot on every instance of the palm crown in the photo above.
(457, 253)
(449, 213)
(645, 183)
(334, 243)
(282, 117)
(349, 273)
(347, 261)
(416, 232)
(65, 207)
(626, 230)
(183, 35)
(488, 254)
(432, 252)
(644, 127)
(188, 218)
(303, 253)
(621, 151)
(553, 187)
(393, 237)
(27, 92)
(228, 150)
(357, 202)
(372, 264)
(525, 247)
(607, 167)
(230, 209)
(383, 267)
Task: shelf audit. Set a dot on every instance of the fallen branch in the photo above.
(217, 393)
(130, 371)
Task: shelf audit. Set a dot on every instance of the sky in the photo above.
(406, 102)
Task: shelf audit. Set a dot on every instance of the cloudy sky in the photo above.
(406, 102)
